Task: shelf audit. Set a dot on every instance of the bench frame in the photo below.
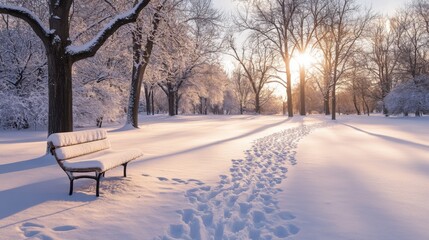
(71, 172)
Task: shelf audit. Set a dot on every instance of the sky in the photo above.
(381, 6)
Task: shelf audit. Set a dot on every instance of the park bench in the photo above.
(83, 152)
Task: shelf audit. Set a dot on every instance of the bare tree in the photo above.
(257, 61)
(422, 9)
(273, 20)
(142, 50)
(241, 88)
(61, 52)
(325, 44)
(310, 14)
(345, 25)
(412, 43)
(383, 56)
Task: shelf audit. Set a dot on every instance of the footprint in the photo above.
(162, 179)
(245, 208)
(179, 180)
(293, 229)
(176, 230)
(64, 228)
(286, 216)
(30, 229)
(198, 182)
(281, 232)
(238, 225)
(258, 217)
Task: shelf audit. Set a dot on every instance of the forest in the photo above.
(66, 64)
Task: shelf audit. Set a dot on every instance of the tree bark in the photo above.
(148, 95)
(326, 104)
(170, 98)
(60, 93)
(176, 102)
(257, 104)
(152, 102)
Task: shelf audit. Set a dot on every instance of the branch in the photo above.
(90, 48)
(35, 23)
(278, 82)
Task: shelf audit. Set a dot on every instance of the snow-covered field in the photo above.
(230, 177)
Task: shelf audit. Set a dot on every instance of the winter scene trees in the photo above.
(227, 100)
(318, 43)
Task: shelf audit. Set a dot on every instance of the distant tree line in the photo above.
(78, 63)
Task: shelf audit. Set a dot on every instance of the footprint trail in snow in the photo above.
(243, 205)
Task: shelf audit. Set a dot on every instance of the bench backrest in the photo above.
(74, 144)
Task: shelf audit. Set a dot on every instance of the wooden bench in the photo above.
(83, 152)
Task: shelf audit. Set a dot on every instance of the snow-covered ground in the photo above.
(229, 177)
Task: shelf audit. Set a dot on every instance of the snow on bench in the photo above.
(79, 153)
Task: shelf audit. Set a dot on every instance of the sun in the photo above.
(305, 59)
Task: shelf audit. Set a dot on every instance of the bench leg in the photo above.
(125, 169)
(71, 186)
(98, 176)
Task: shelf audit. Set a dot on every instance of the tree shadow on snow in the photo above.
(42, 161)
(24, 197)
(255, 131)
(391, 139)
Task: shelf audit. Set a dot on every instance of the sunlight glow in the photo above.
(305, 59)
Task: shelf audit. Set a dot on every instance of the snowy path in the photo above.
(243, 205)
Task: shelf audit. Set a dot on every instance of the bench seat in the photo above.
(102, 161)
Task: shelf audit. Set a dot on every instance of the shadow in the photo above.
(21, 198)
(24, 139)
(43, 161)
(263, 128)
(389, 138)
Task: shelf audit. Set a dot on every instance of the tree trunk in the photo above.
(302, 111)
(257, 104)
(201, 105)
(60, 71)
(152, 102)
(136, 78)
(141, 58)
(355, 104)
(60, 93)
(170, 99)
(326, 104)
(334, 101)
(148, 95)
(171, 110)
(176, 102)
(284, 107)
(289, 89)
(134, 100)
